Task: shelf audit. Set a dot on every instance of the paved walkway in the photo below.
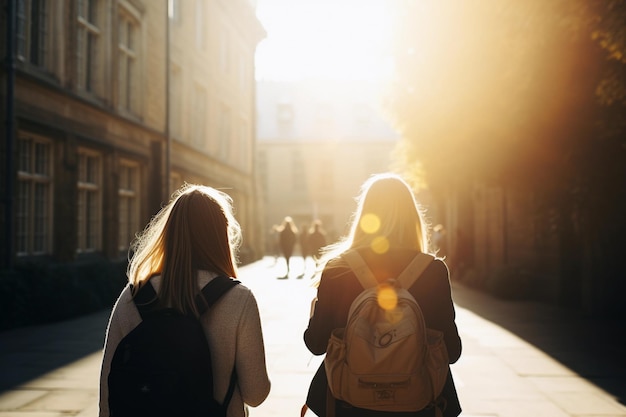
(520, 358)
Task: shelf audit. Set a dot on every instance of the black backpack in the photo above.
(163, 366)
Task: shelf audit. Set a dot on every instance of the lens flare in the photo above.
(370, 223)
(380, 245)
(387, 297)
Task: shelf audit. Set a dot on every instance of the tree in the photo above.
(527, 94)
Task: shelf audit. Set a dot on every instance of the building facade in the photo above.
(318, 141)
(112, 104)
(212, 104)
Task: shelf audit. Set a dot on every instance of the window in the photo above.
(34, 196)
(176, 181)
(284, 112)
(200, 114)
(243, 73)
(128, 193)
(262, 173)
(224, 51)
(89, 201)
(326, 176)
(244, 146)
(173, 8)
(90, 46)
(176, 94)
(298, 180)
(224, 134)
(32, 31)
(128, 77)
(200, 25)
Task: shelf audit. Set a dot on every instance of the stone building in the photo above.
(212, 104)
(112, 104)
(317, 142)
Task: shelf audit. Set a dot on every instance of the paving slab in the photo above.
(520, 359)
(16, 399)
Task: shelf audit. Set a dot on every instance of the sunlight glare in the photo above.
(380, 245)
(387, 297)
(341, 39)
(370, 223)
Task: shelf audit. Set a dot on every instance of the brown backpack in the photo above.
(385, 358)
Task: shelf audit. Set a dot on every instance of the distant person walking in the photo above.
(287, 236)
(317, 240)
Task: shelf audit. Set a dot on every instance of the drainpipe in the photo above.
(168, 136)
(10, 136)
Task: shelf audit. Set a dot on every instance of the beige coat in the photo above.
(233, 329)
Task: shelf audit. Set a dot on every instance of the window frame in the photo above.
(245, 145)
(84, 218)
(225, 53)
(200, 32)
(284, 113)
(173, 11)
(176, 113)
(176, 181)
(33, 177)
(90, 66)
(200, 116)
(130, 97)
(225, 133)
(298, 173)
(33, 32)
(132, 193)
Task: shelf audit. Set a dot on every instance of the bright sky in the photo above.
(336, 39)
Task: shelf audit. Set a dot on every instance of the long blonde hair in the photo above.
(195, 231)
(387, 216)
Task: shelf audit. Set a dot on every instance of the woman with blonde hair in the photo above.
(192, 241)
(388, 232)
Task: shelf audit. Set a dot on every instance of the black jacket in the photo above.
(339, 287)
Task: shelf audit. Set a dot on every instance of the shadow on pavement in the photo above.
(591, 347)
(30, 352)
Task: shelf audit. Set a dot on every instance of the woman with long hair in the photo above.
(388, 232)
(190, 242)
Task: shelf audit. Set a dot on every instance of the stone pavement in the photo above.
(519, 358)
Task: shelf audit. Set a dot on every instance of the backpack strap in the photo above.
(145, 298)
(231, 389)
(406, 279)
(414, 270)
(212, 292)
(360, 268)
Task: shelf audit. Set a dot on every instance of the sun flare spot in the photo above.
(344, 40)
(370, 223)
(387, 297)
(380, 245)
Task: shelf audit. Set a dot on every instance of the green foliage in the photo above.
(610, 30)
(484, 90)
(34, 294)
(529, 95)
